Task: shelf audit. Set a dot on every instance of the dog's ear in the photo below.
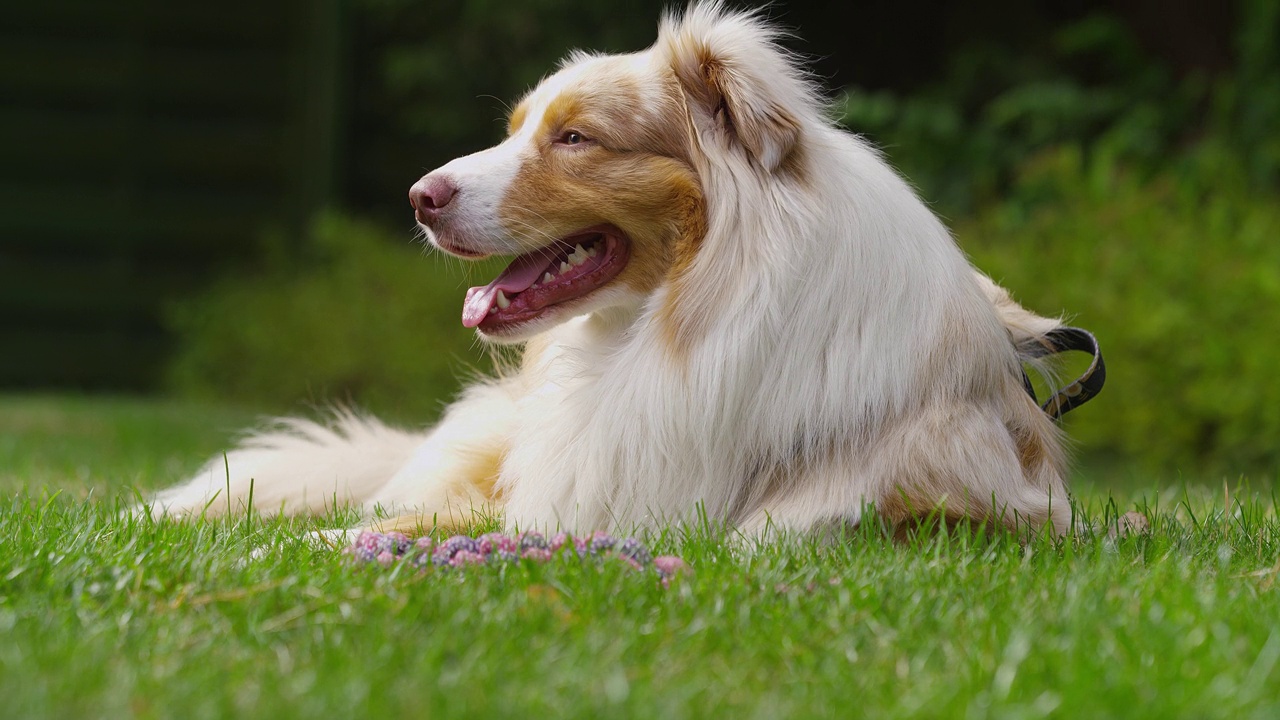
(737, 81)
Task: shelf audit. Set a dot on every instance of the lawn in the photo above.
(103, 617)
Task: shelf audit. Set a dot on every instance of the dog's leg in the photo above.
(957, 464)
(449, 480)
(827, 493)
(1001, 466)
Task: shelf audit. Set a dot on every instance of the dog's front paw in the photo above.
(1131, 523)
(332, 539)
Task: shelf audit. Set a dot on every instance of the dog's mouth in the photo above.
(535, 282)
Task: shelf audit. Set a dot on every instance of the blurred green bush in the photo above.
(1092, 181)
(964, 139)
(1179, 277)
(356, 315)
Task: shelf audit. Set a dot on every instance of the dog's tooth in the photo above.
(503, 302)
(564, 267)
(578, 256)
(547, 277)
(492, 310)
(591, 251)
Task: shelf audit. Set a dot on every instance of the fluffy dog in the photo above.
(728, 306)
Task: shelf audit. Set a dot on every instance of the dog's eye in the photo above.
(572, 137)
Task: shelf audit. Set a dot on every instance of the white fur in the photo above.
(847, 355)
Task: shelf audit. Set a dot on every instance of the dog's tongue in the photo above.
(522, 273)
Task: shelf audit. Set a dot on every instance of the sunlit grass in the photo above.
(102, 616)
(108, 444)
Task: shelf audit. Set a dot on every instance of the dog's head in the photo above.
(599, 188)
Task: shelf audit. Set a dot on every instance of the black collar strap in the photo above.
(1083, 388)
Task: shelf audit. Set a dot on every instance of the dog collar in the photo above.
(1082, 389)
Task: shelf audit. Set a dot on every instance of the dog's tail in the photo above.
(1025, 327)
(1037, 339)
(294, 466)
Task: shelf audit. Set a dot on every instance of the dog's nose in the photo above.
(429, 196)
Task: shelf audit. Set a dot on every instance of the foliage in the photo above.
(1179, 276)
(107, 617)
(356, 315)
(1092, 181)
(478, 56)
(964, 139)
(71, 445)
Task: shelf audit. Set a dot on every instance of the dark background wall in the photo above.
(149, 146)
(146, 144)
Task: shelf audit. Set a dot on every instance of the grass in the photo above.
(107, 445)
(103, 617)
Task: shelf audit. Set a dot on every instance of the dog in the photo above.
(730, 308)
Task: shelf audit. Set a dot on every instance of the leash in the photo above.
(1082, 389)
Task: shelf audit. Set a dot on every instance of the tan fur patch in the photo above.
(795, 165)
(768, 131)
(517, 118)
(471, 496)
(679, 329)
(647, 197)
(1031, 451)
(634, 174)
(562, 113)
